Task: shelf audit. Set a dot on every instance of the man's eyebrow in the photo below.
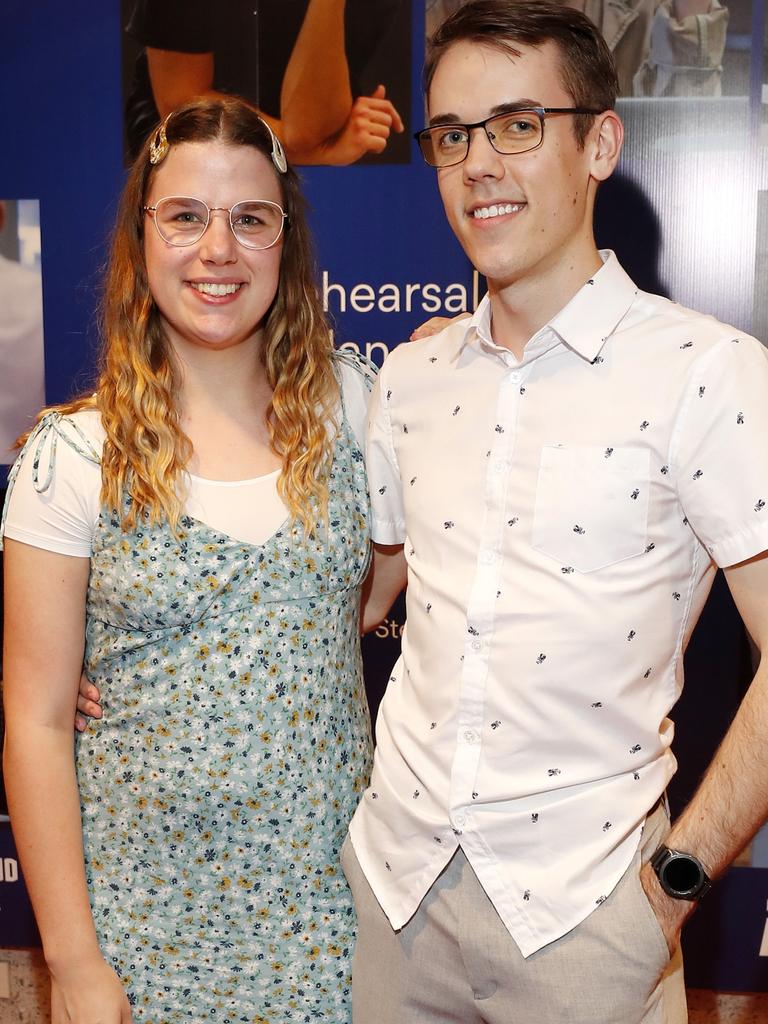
(501, 108)
(444, 119)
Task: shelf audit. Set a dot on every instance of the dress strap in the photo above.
(49, 429)
(361, 364)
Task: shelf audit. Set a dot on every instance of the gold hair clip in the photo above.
(159, 146)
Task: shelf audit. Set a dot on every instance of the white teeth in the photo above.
(483, 212)
(211, 288)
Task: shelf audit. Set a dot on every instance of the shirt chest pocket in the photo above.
(591, 505)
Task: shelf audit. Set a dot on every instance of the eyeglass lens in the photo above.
(514, 132)
(257, 224)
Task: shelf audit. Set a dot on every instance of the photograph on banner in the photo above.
(332, 77)
(662, 47)
(22, 370)
(695, 162)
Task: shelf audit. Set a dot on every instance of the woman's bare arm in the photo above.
(44, 640)
(386, 578)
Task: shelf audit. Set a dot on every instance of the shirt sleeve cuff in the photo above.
(56, 545)
(388, 531)
(740, 546)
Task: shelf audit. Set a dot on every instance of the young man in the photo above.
(566, 469)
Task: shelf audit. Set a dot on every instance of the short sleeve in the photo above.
(366, 25)
(388, 526)
(720, 450)
(183, 26)
(54, 487)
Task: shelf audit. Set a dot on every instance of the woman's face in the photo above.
(181, 277)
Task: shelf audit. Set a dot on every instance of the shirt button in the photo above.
(488, 557)
(471, 736)
(460, 820)
(515, 376)
(500, 466)
(476, 645)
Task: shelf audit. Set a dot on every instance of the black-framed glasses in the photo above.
(182, 220)
(515, 131)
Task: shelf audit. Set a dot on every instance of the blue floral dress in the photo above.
(235, 744)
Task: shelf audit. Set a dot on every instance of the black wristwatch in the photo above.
(680, 875)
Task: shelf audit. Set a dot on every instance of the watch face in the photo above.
(682, 874)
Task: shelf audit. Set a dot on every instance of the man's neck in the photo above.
(521, 308)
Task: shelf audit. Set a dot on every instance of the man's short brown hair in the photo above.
(587, 68)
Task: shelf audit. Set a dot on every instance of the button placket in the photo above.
(482, 601)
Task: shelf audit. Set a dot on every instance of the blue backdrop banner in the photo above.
(687, 214)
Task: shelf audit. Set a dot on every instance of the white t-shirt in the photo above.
(63, 516)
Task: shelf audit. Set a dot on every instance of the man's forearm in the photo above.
(731, 803)
(729, 806)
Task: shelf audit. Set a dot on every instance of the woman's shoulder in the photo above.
(356, 376)
(80, 433)
(354, 369)
(54, 486)
(61, 440)
(85, 422)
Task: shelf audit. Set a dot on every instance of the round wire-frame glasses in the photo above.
(183, 220)
(511, 132)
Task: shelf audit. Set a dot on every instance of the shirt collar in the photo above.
(584, 324)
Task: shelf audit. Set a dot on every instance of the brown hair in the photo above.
(587, 68)
(146, 451)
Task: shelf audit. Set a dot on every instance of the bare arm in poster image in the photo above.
(732, 801)
(319, 122)
(44, 640)
(177, 77)
(315, 96)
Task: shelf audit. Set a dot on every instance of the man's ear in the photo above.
(606, 138)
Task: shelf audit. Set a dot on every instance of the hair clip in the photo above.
(278, 153)
(159, 146)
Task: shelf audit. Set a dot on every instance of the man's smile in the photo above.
(496, 210)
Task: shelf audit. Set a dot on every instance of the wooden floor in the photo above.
(726, 1008)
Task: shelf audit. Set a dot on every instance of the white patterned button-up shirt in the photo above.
(562, 519)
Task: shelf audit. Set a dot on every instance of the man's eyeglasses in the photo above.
(517, 131)
(255, 223)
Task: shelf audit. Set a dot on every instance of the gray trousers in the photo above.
(454, 962)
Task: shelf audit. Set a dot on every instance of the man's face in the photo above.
(543, 198)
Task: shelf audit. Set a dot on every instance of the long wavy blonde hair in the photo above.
(146, 451)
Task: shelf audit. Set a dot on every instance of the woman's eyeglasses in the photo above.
(255, 223)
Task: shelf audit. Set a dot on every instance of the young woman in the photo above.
(195, 532)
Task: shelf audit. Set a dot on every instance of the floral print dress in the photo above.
(235, 744)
